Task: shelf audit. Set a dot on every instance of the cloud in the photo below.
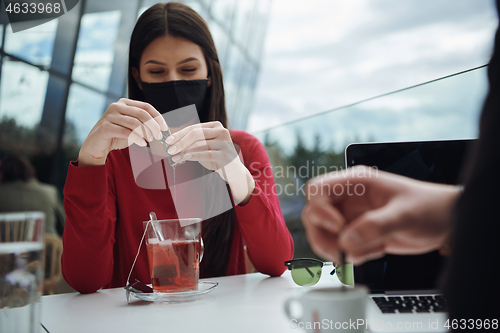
(333, 53)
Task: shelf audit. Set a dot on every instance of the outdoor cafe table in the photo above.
(241, 303)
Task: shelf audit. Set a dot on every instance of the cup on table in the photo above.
(21, 271)
(175, 250)
(329, 309)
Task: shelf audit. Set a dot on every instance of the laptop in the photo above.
(403, 292)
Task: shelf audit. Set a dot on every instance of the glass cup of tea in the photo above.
(21, 271)
(175, 249)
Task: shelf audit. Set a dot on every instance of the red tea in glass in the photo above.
(174, 255)
(173, 265)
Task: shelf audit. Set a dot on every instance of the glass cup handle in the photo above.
(288, 308)
(202, 250)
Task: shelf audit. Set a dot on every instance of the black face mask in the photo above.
(171, 95)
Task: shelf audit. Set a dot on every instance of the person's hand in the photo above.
(210, 144)
(124, 123)
(369, 213)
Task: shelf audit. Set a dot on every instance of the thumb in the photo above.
(369, 232)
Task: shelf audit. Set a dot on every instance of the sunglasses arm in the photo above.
(329, 263)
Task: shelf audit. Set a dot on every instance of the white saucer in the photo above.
(204, 287)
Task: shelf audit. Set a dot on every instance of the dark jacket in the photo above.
(472, 284)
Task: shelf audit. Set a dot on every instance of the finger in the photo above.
(114, 131)
(322, 242)
(144, 116)
(197, 134)
(200, 156)
(361, 258)
(150, 109)
(219, 153)
(199, 145)
(331, 186)
(147, 122)
(133, 124)
(136, 118)
(227, 150)
(368, 232)
(321, 214)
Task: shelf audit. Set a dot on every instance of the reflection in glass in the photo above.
(84, 109)
(95, 48)
(22, 94)
(232, 71)
(442, 110)
(222, 11)
(34, 45)
(258, 28)
(220, 39)
(198, 7)
(241, 21)
(244, 99)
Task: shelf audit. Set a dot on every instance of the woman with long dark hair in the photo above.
(171, 54)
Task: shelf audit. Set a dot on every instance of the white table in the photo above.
(242, 303)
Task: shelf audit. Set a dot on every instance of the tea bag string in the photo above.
(138, 251)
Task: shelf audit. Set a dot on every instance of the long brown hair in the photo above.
(179, 20)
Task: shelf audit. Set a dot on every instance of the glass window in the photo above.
(220, 39)
(34, 45)
(222, 11)
(22, 95)
(443, 110)
(231, 78)
(95, 48)
(206, 3)
(1, 34)
(258, 27)
(353, 50)
(245, 96)
(241, 21)
(198, 7)
(83, 110)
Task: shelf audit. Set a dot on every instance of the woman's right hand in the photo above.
(125, 122)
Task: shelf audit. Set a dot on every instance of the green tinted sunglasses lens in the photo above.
(306, 275)
(345, 274)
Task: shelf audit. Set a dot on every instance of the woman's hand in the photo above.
(210, 144)
(368, 213)
(124, 123)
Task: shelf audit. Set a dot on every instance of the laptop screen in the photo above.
(433, 161)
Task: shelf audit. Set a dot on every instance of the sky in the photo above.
(332, 53)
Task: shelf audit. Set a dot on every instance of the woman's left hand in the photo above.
(210, 144)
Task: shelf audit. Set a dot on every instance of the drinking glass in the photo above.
(174, 250)
(21, 271)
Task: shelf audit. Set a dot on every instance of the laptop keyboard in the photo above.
(411, 304)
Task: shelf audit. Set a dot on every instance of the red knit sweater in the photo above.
(105, 211)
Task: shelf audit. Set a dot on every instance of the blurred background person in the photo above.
(21, 191)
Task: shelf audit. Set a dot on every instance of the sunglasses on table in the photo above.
(307, 272)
